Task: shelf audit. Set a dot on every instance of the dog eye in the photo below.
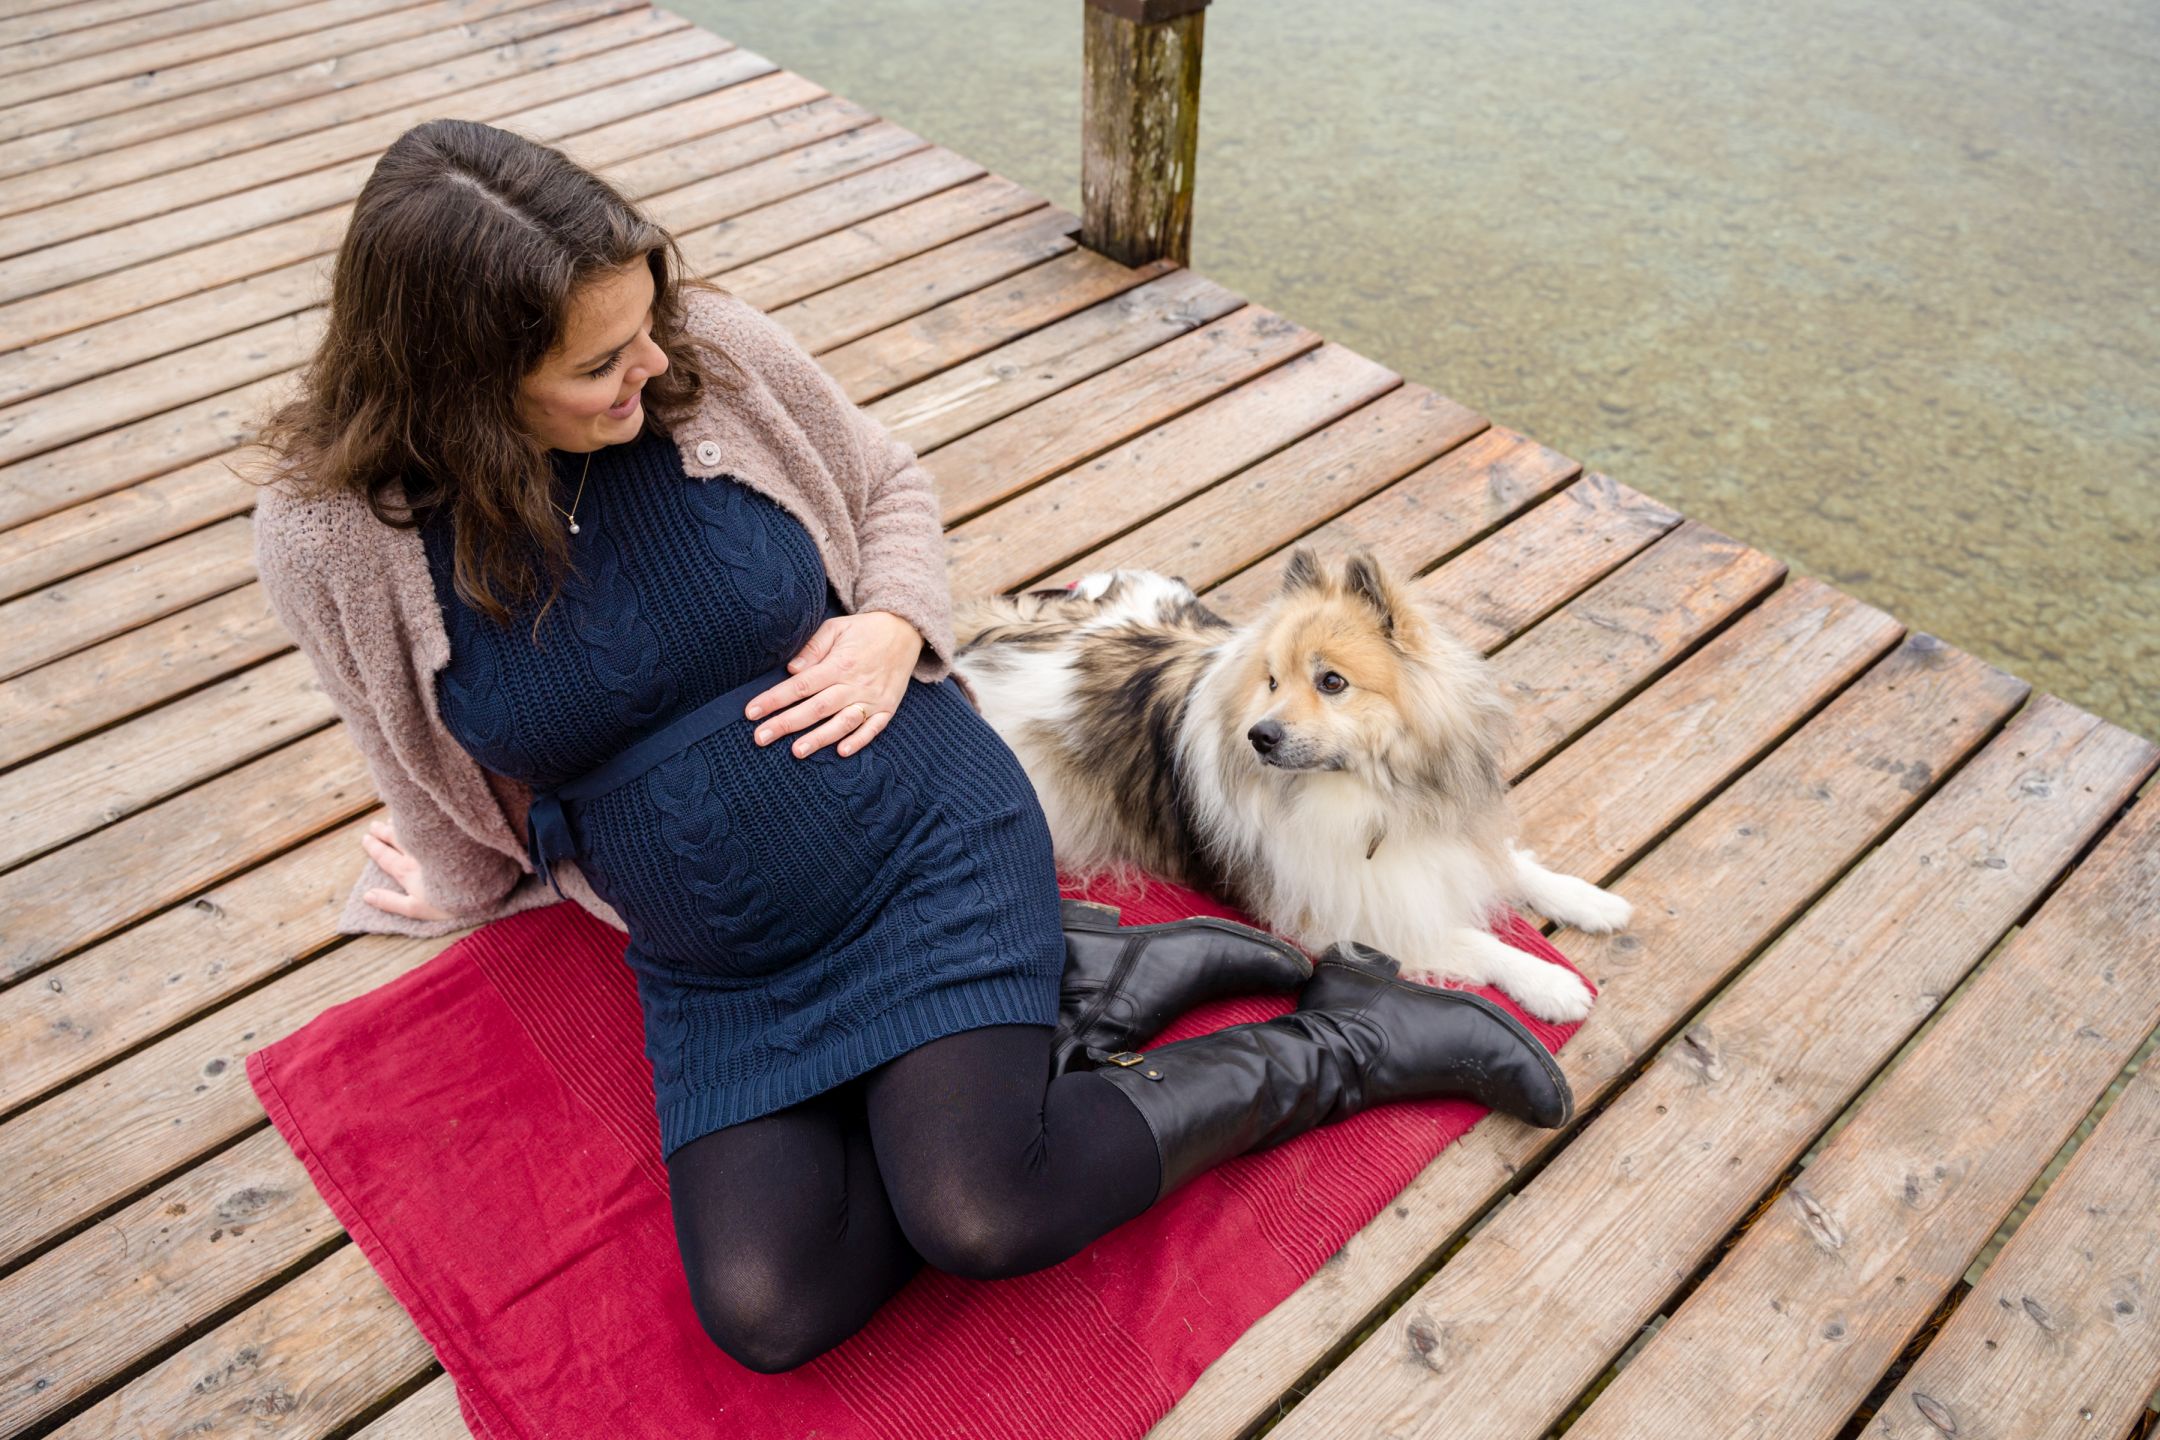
(1333, 684)
(1271, 682)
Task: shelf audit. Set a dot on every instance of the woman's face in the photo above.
(584, 394)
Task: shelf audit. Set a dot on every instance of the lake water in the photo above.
(1875, 288)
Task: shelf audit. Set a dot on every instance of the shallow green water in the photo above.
(1874, 288)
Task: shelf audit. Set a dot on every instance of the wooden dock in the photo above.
(1791, 1146)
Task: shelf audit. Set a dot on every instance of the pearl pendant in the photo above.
(573, 527)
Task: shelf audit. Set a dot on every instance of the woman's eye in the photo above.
(1333, 684)
(605, 370)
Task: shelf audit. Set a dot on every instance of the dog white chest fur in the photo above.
(1332, 768)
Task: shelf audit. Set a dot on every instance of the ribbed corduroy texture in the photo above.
(794, 921)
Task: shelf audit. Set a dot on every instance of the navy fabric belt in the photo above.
(548, 836)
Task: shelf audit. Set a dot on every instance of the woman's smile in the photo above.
(627, 408)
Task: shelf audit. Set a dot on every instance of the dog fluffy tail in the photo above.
(1566, 899)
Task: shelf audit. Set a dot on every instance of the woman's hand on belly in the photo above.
(850, 675)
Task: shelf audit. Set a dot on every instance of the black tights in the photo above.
(963, 1153)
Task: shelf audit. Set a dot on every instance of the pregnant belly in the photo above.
(732, 859)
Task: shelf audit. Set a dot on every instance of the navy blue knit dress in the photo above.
(793, 922)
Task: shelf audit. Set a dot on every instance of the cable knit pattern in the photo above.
(793, 921)
(355, 595)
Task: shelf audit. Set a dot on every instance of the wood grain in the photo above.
(1230, 525)
(1790, 1331)
(174, 965)
(129, 673)
(1583, 1256)
(2056, 1341)
(1410, 526)
(938, 410)
(57, 904)
(100, 1141)
(429, 1413)
(1083, 420)
(124, 1288)
(1005, 547)
(1706, 899)
(314, 1354)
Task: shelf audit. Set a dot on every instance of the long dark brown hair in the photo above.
(454, 280)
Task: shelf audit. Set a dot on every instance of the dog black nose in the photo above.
(1265, 736)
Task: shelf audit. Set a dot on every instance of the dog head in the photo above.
(1350, 671)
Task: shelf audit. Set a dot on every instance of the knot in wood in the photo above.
(1935, 1413)
(1821, 1225)
(1698, 1051)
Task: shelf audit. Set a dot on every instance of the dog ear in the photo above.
(1363, 578)
(1303, 571)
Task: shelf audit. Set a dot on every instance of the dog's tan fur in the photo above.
(1378, 811)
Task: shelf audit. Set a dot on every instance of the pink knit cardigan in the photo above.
(357, 598)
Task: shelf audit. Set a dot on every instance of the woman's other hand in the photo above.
(381, 844)
(850, 675)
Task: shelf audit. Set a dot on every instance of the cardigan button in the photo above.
(708, 452)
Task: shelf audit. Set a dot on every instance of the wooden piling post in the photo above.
(1140, 128)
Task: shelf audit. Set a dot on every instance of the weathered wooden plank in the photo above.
(83, 121)
(1408, 527)
(110, 776)
(94, 687)
(1230, 525)
(252, 1365)
(866, 244)
(101, 531)
(129, 1285)
(765, 232)
(1599, 646)
(280, 268)
(792, 173)
(1010, 544)
(173, 36)
(219, 346)
(1002, 381)
(1564, 539)
(609, 53)
(43, 626)
(429, 1413)
(1713, 713)
(1791, 1330)
(1588, 1251)
(71, 171)
(175, 965)
(55, 905)
(1081, 421)
(2056, 1342)
(900, 292)
(878, 364)
(1705, 899)
(107, 1137)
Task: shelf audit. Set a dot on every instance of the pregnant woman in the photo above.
(624, 601)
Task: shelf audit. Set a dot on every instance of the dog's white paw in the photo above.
(1600, 912)
(1553, 993)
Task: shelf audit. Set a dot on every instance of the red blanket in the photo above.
(484, 1128)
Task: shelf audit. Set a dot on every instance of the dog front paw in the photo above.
(1602, 912)
(1553, 993)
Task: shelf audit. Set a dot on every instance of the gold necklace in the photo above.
(571, 513)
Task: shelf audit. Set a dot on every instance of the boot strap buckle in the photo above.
(1130, 1058)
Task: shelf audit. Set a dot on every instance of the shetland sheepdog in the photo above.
(1332, 768)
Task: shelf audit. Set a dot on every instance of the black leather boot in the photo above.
(1359, 1037)
(1123, 984)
